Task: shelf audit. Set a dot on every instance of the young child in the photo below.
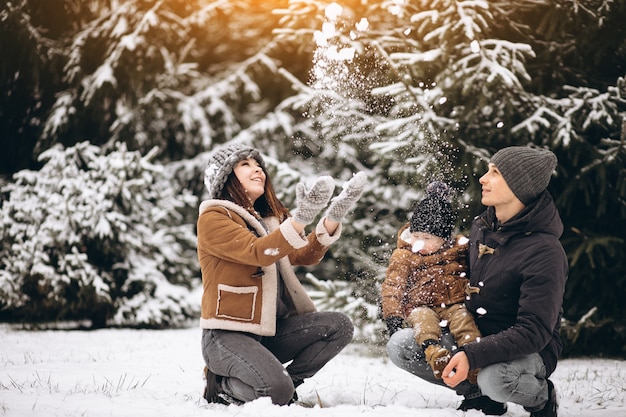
(425, 282)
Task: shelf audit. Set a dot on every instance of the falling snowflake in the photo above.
(417, 246)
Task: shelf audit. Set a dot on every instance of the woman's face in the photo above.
(251, 176)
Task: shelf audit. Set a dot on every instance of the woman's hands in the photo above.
(310, 203)
(350, 194)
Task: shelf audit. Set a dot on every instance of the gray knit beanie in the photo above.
(527, 171)
(221, 163)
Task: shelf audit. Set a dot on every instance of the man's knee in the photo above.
(495, 382)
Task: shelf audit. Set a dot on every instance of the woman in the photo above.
(256, 316)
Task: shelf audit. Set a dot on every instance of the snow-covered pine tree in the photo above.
(30, 73)
(148, 73)
(98, 237)
(415, 89)
(578, 110)
(464, 79)
(340, 295)
(335, 121)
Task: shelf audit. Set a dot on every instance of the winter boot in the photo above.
(485, 404)
(552, 406)
(212, 392)
(438, 358)
(296, 383)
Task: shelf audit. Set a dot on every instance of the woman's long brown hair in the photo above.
(266, 205)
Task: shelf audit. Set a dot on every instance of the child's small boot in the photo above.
(437, 357)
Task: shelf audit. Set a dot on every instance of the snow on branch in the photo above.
(90, 233)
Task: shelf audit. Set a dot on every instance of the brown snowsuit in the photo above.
(428, 292)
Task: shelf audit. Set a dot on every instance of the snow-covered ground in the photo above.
(159, 373)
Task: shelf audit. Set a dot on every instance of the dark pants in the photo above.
(251, 366)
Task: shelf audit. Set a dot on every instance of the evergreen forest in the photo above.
(109, 108)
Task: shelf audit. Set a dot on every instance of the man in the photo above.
(518, 271)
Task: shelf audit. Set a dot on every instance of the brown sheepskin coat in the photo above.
(240, 263)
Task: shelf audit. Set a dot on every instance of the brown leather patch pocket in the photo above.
(236, 303)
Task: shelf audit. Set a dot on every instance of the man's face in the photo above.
(495, 190)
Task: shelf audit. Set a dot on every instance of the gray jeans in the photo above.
(521, 381)
(251, 366)
(406, 354)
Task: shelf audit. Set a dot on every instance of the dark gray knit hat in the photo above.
(221, 164)
(527, 171)
(434, 213)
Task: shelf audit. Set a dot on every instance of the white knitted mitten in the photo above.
(310, 203)
(351, 192)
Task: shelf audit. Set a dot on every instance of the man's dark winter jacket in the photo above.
(520, 278)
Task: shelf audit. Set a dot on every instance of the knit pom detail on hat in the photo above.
(527, 171)
(433, 214)
(438, 189)
(221, 163)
